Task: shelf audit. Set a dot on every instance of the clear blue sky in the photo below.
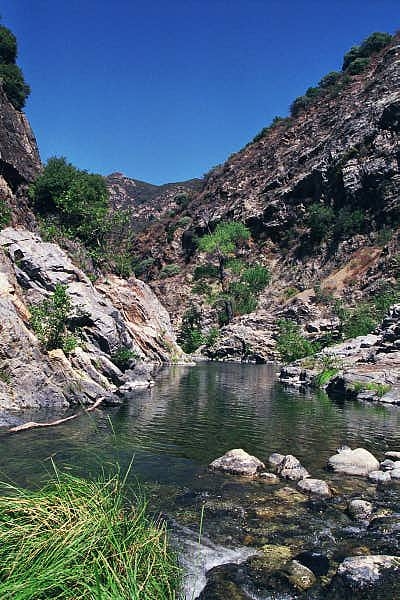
(162, 90)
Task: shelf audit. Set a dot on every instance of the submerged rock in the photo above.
(238, 462)
(379, 476)
(367, 577)
(291, 468)
(315, 486)
(275, 459)
(360, 509)
(299, 575)
(316, 561)
(353, 462)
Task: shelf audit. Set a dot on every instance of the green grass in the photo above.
(77, 539)
(379, 388)
(325, 377)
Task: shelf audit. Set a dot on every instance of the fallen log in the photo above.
(34, 424)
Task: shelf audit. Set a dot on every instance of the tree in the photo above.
(49, 320)
(222, 243)
(11, 77)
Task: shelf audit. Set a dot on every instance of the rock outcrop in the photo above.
(29, 271)
(19, 160)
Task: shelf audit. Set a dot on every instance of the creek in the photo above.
(193, 415)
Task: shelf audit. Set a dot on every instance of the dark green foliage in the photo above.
(140, 268)
(49, 321)
(357, 66)
(11, 75)
(78, 199)
(14, 85)
(225, 238)
(5, 213)
(211, 337)
(299, 105)
(330, 79)
(206, 271)
(170, 270)
(372, 44)
(182, 200)
(123, 357)
(243, 300)
(320, 221)
(291, 344)
(256, 278)
(8, 46)
(348, 222)
(190, 336)
(275, 121)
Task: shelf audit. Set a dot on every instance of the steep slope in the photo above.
(341, 153)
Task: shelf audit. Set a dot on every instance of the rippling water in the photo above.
(191, 416)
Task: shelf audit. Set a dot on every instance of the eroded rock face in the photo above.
(29, 271)
(19, 160)
(238, 462)
(353, 462)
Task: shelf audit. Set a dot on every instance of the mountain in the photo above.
(319, 192)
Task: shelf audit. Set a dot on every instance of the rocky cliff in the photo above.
(19, 160)
(114, 315)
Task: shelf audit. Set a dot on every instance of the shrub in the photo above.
(348, 222)
(170, 270)
(182, 200)
(211, 337)
(8, 46)
(49, 321)
(291, 344)
(225, 238)
(190, 336)
(329, 80)
(123, 357)
(256, 277)
(5, 213)
(320, 219)
(357, 66)
(206, 271)
(141, 267)
(299, 105)
(77, 538)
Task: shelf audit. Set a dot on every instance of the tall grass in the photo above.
(78, 539)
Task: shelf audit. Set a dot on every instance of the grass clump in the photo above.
(380, 389)
(78, 539)
(291, 343)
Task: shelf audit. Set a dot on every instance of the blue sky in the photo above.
(163, 90)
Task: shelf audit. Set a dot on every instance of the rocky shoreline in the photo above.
(364, 368)
(369, 570)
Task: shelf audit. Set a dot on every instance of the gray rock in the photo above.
(269, 477)
(395, 474)
(392, 454)
(379, 476)
(237, 462)
(275, 459)
(362, 573)
(291, 468)
(360, 509)
(387, 465)
(299, 575)
(353, 462)
(317, 487)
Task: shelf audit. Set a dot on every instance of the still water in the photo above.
(191, 416)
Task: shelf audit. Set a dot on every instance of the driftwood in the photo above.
(34, 425)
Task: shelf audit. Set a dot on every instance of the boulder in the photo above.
(360, 509)
(317, 487)
(269, 477)
(353, 462)
(395, 474)
(299, 575)
(363, 577)
(238, 462)
(275, 459)
(379, 476)
(291, 468)
(393, 454)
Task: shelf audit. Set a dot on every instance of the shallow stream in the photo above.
(195, 414)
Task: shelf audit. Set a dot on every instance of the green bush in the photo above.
(330, 79)
(320, 219)
(372, 44)
(49, 321)
(123, 357)
(348, 222)
(291, 344)
(190, 336)
(8, 46)
(141, 267)
(357, 66)
(76, 539)
(170, 271)
(242, 298)
(206, 271)
(256, 277)
(5, 214)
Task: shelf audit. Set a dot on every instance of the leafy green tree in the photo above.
(222, 243)
(291, 344)
(320, 219)
(8, 46)
(190, 336)
(11, 77)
